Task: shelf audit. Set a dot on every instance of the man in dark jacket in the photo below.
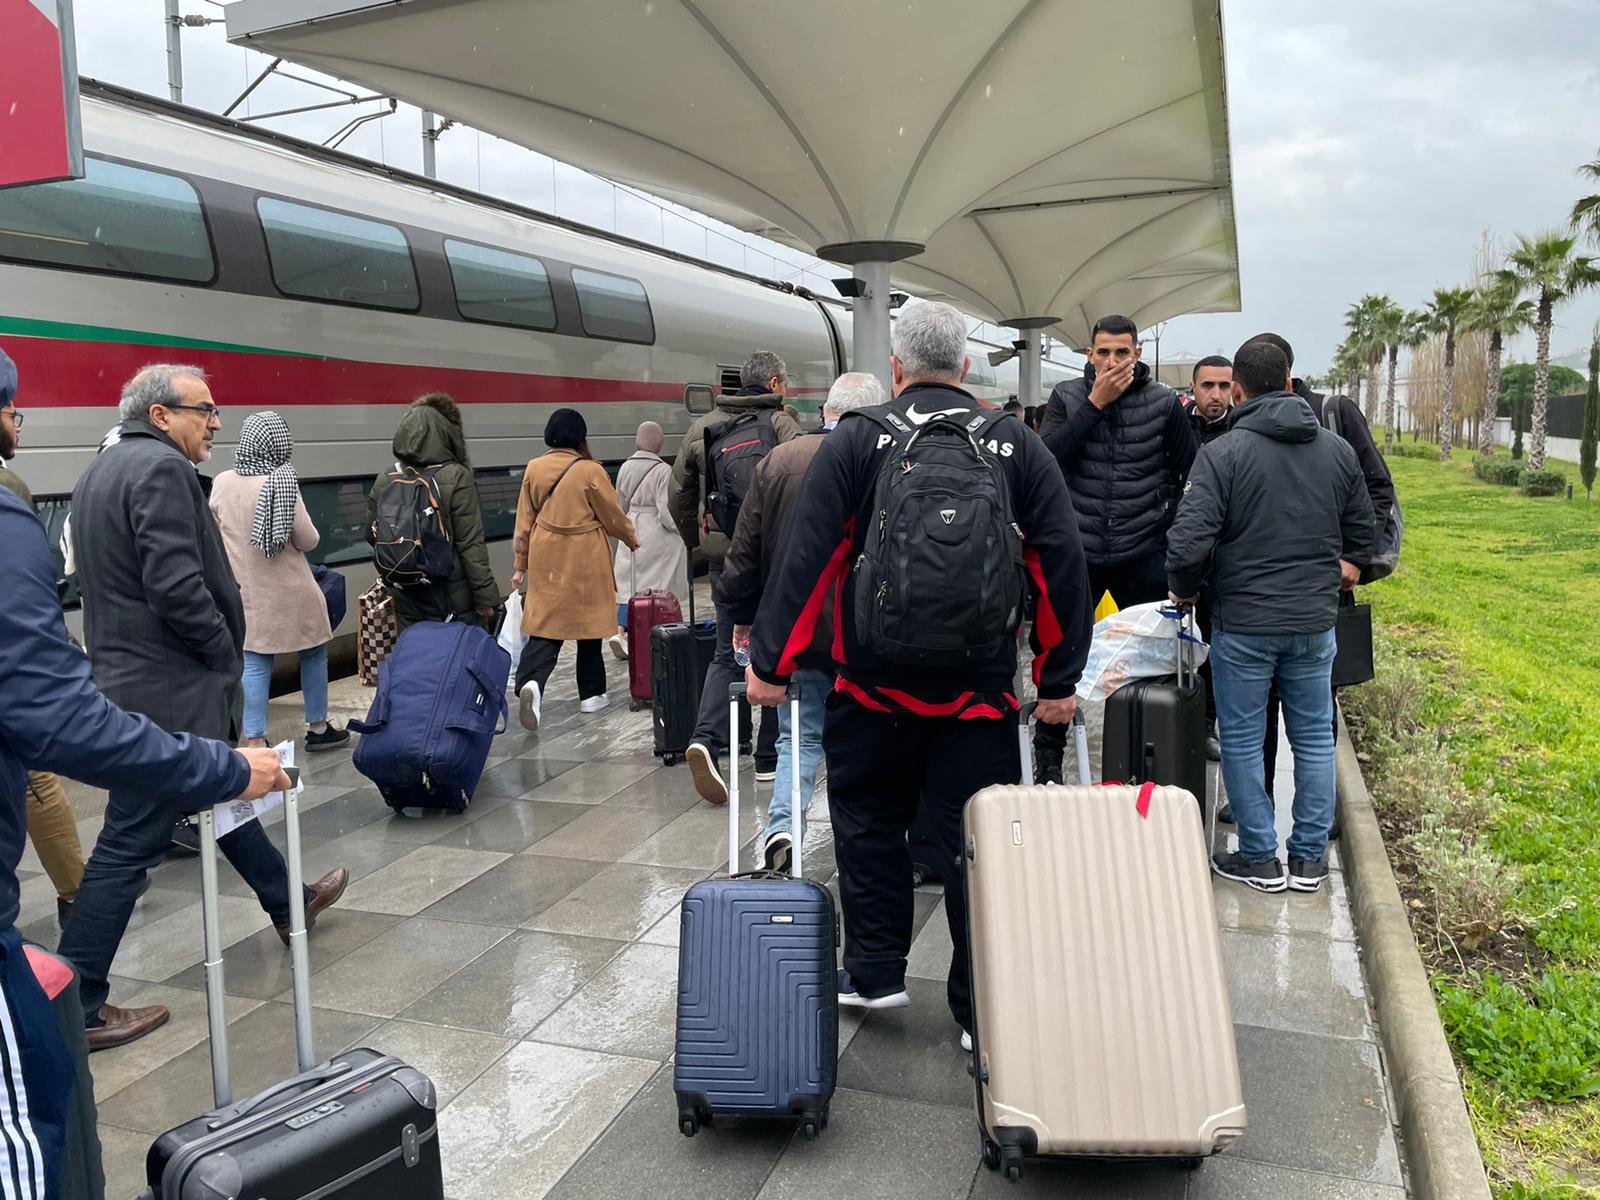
(1124, 445)
(52, 718)
(761, 533)
(766, 384)
(164, 626)
(1279, 515)
(1213, 397)
(900, 736)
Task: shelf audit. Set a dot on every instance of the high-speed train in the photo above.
(335, 290)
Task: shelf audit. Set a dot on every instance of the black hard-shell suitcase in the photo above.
(758, 1002)
(679, 656)
(361, 1126)
(1155, 729)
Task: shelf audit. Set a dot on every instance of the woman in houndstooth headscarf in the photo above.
(267, 532)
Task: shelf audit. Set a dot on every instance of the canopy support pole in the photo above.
(868, 290)
(1030, 356)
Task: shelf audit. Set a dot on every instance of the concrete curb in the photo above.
(1440, 1151)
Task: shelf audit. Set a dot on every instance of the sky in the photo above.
(1374, 142)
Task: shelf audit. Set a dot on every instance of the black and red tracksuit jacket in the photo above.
(826, 536)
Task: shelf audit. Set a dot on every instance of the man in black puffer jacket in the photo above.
(1125, 445)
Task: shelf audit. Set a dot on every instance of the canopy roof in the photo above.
(1057, 158)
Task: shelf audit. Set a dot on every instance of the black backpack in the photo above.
(940, 579)
(734, 449)
(411, 540)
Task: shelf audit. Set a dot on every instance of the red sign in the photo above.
(40, 138)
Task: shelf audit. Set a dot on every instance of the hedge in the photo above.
(1543, 483)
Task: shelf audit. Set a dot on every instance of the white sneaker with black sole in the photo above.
(528, 709)
(1263, 876)
(708, 780)
(850, 997)
(1307, 874)
(594, 704)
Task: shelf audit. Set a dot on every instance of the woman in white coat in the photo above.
(662, 560)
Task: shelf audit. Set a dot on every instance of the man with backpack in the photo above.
(923, 518)
(715, 468)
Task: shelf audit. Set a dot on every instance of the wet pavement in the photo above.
(524, 955)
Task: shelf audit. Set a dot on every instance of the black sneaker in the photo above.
(1047, 764)
(1307, 874)
(1225, 814)
(329, 739)
(185, 837)
(1263, 876)
(777, 852)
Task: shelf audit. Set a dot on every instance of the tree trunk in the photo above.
(1388, 425)
(1355, 385)
(1372, 389)
(1491, 407)
(1541, 384)
(1447, 414)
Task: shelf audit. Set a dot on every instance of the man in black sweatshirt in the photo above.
(899, 732)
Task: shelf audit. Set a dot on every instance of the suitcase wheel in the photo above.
(1011, 1164)
(688, 1122)
(809, 1128)
(670, 760)
(991, 1154)
(1189, 1164)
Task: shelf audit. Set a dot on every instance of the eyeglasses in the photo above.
(206, 410)
(16, 417)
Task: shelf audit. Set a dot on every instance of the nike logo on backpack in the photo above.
(922, 418)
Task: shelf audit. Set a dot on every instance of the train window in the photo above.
(338, 508)
(613, 307)
(500, 287)
(117, 218)
(732, 379)
(498, 490)
(698, 398)
(325, 255)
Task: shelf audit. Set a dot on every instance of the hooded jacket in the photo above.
(53, 719)
(688, 472)
(1205, 429)
(427, 438)
(1271, 506)
(1354, 429)
(1123, 464)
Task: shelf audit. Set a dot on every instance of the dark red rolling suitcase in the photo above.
(646, 610)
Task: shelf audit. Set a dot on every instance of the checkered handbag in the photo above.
(375, 633)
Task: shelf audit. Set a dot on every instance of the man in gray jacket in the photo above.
(1278, 511)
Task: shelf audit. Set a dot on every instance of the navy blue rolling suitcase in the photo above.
(758, 1003)
(441, 700)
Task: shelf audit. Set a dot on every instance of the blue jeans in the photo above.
(1244, 668)
(814, 688)
(258, 679)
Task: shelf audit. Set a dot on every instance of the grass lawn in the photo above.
(1497, 602)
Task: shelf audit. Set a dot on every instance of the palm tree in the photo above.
(1361, 319)
(1547, 264)
(1499, 310)
(1586, 212)
(1446, 311)
(1386, 326)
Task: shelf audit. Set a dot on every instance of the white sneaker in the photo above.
(594, 703)
(849, 997)
(528, 713)
(766, 776)
(966, 1041)
(619, 646)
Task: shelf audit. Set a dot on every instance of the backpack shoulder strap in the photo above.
(885, 417)
(1330, 416)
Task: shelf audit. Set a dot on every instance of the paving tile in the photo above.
(644, 1154)
(697, 839)
(452, 1058)
(664, 789)
(428, 874)
(881, 1147)
(931, 950)
(603, 832)
(1339, 1126)
(114, 1070)
(516, 891)
(422, 826)
(668, 931)
(514, 984)
(258, 966)
(346, 811)
(516, 777)
(1324, 913)
(628, 1007)
(262, 1045)
(1295, 983)
(913, 1053)
(400, 966)
(1055, 1178)
(1227, 1177)
(515, 1131)
(621, 902)
(168, 945)
(122, 1154)
(590, 782)
(341, 773)
(513, 826)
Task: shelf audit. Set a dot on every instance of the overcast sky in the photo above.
(1374, 141)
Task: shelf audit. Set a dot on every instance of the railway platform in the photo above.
(523, 955)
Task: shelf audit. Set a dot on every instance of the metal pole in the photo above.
(174, 52)
(299, 951)
(429, 146)
(1029, 369)
(870, 329)
(216, 990)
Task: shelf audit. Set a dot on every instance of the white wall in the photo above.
(1554, 447)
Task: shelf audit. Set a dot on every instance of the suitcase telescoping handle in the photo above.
(1188, 638)
(736, 693)
(299, 958)
(1080, 734)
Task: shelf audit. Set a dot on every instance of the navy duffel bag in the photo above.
(441, 700)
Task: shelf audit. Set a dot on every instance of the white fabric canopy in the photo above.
(1055, 157)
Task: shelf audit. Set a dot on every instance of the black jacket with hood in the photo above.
(1124, 464)
(1271, 507)
(1354, 429)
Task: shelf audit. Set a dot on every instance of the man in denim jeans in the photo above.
(763, 522)
(1278, 508)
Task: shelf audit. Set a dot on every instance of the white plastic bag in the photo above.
(511, 635)
(1140, 642)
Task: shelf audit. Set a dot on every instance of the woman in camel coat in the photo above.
(567, 514)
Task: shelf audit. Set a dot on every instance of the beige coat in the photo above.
(284, 609)
(662, 560)
(563, 541)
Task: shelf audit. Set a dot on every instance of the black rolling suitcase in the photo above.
(679, 656)
(361, 1126)
(1156, 728)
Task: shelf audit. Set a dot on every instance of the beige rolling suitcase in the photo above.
(1102, 1025)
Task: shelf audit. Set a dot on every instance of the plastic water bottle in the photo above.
(741, 651)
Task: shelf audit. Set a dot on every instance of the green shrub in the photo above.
(1471, 889)
(1493, 470)
(1543, 483)
(1426, 450)
(1543, 1046)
